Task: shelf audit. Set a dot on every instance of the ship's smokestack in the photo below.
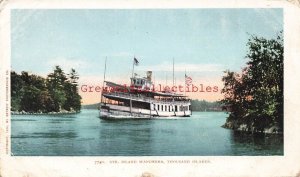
(149, 75)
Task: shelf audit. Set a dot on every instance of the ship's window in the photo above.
(158, 107)
(142, 82)
(162, 108)
(138, 82)
(134, 81)
(176, 108)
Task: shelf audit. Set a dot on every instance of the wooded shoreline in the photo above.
(251, 129)
(34, 94)
(43, 113)
(254, 96)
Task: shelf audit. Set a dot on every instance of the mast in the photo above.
(173, 72)
(173, 84)
(132, 70)
(103, 79)
(184, 82)
(166, 79)
(130, 101)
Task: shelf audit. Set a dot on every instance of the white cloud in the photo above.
(119, 55)
(181, 67)
(67, 63)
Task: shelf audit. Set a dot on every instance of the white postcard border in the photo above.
(287, 165)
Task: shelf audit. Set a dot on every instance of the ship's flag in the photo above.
(188, 80)
(135, 61)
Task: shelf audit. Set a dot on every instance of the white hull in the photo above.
(123, 112)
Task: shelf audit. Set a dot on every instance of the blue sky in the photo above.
(204, 42)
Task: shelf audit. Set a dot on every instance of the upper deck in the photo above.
(138, 89)
(142, 89)
(119, 96)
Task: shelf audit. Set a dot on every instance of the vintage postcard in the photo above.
(138, 89)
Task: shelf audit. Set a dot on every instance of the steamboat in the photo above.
(140, 100)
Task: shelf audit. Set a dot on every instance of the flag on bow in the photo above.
(188, 80)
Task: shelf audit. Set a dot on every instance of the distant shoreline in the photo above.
(41, 113)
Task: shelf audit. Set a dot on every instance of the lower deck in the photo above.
(120, 111)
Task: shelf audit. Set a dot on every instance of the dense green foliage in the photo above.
(202, 105)
(57, 92)
(254, 97)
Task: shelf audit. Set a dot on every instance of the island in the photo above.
(253, 97)
(55, 94)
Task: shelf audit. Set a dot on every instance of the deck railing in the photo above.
(139, 97)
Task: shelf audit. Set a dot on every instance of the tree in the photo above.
(17, 91)
(57, 92)
(55, 85)
(255, 97)
(73, 99)
(33, 88)
(30, 101)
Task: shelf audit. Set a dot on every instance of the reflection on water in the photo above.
(126, 136)
(265, 144)
(48, 135)
(85, 134)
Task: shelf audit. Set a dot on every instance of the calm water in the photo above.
(85, 134)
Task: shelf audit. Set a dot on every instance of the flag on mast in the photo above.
(135, 61)
(188, 80)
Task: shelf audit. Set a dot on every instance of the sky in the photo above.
(202, 42)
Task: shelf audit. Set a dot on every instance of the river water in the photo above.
(84, 134)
